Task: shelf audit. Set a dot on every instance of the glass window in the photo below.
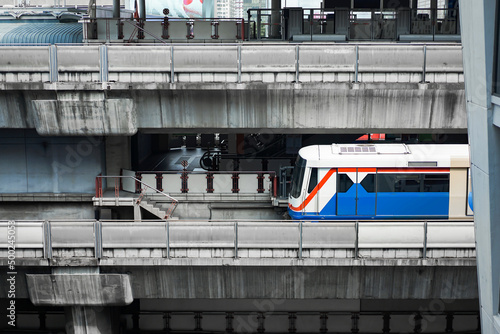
(298, 177)
(398, 183)
(437, 182)
(369, 183)
(343, 183)
(313, 180)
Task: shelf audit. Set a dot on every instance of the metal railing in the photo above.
(238, 235)
(210, 182)
(140, 187)
(162, 30)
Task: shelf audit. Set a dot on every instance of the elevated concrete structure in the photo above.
(117, 90)
(329, 267)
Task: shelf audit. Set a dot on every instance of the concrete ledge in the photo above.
(79, 289)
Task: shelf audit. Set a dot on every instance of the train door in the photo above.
(356, 194)
(346, 191)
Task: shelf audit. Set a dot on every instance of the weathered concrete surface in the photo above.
(333, 107)
(79, 289)
(101, 117)
(298, 282)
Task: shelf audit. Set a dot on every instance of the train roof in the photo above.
(386, 155)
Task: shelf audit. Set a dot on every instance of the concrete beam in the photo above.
(303, 282)
(240, 108)
(79, 289)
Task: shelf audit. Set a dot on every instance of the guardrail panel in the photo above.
(223, 183)
(197, 183)
(268, 235)
(391, 58)
(27, 234)
(205, 58)
(72, 234)
(77, 58)
(150, 180)
(391, 235)
(24, 59)
(328, 58)
(248, 183)
(441, 58)
(134, 235)
(139, 58)
(328, 235)
(201, 235)
(446, 235)
(171, 183)
(268, 58)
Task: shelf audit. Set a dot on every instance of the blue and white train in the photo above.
(381, 181)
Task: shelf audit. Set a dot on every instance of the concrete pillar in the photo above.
(118, 154)
(275, 19)
(91, 320)
(116, 9)
(142, 9)
(86, 296)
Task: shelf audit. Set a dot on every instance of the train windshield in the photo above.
(298, 177)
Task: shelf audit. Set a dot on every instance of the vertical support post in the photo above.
(53, 66)
(354, 323)
(197, 320)
(300, 240)
(103, 63)
(108, 32)
(424, 251)
(210, 182)
(323, 319)
(47, 240)
(166, 322)
(97, 239)
(356, 243)
(425, 64)
(260, 183)
(418, 323)
(235, 178)
(167, 227)
(260, 319)
(297, 68)
(159, 181)
(292, 319)
(239, 63)
(229, 322)
(259, 19)
(449, 323)
(172, 64)
(311, 17)
(356, 65)
(387, 323)
(236, 240)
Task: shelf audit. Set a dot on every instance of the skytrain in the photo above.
(381, 181)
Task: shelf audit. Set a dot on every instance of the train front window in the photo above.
(298, 177)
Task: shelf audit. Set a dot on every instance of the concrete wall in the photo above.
(34, 164)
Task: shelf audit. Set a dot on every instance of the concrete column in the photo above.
(87, 297)
(142, 9)
(91, 320)
(116, 9)
(118, 154)
(275, 19)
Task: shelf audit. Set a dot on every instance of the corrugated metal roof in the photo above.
(40, 33)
